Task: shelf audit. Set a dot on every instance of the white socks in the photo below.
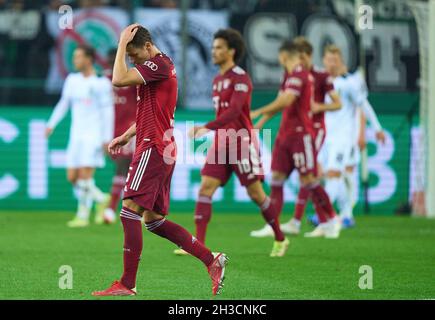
(85, 200)
(334, 187)
(346, 200)
(88, 192)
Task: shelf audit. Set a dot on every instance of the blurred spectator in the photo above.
(162, 3)
(92, 3)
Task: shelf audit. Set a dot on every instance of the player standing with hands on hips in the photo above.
(147, 189)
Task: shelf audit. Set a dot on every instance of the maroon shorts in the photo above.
(319, 138)
(149, 181)
(295, 151)
(244, 160)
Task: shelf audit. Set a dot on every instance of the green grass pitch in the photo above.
(400, 251)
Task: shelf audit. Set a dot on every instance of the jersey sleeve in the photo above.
(241, 92)
(153, 70)
(357, 93)
(62, 106)
(294, 84)
(371, 115)
(107, 110)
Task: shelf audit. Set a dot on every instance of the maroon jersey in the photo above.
(297, 117)
(125, 107)
(232, 100)
(156, 102)
(323, 84)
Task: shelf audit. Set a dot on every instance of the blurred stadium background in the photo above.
(396, 179)
(35, 57)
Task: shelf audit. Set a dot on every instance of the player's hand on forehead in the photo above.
(129, 32)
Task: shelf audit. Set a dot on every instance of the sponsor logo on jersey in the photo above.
(151, 65)
(241, 87)
(294, 82)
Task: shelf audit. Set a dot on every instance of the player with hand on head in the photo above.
(125, 117)
(235, 148)
(323, 86)
(147, 188)
(91, 101)
(294, 146)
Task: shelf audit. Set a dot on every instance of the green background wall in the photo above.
(25, 165)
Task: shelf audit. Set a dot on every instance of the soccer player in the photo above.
(339, 151)
(365, 112)
(147, 189)
(125, 117)
(294, 146)
(91, 101)
(235, 147)
(323, 86)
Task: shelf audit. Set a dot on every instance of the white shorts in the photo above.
(84, 153)
(334, 154)
(353, 156)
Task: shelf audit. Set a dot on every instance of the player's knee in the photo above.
(207, 188)
(278, 176)
(150, 216)
(71, 177)
(333, 174)
(131, 205)
(256, 194)
(349, 169)
(308, 179)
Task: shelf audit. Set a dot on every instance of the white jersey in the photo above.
(92, 111)
(341, 124)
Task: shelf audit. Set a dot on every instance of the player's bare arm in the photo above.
(332, 106)
(283, 100)
(122, 76)
(116, 144)
(238, 100)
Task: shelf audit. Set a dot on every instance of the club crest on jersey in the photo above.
(241, 87)
(151, 65)
(294, 81)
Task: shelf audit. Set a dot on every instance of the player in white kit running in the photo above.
(339, 154)
(90, 98)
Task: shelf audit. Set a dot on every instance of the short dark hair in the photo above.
(88, 51)
(234, 40)
(141, 37)
(290, 47)
(303, 45)
(111, 55)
